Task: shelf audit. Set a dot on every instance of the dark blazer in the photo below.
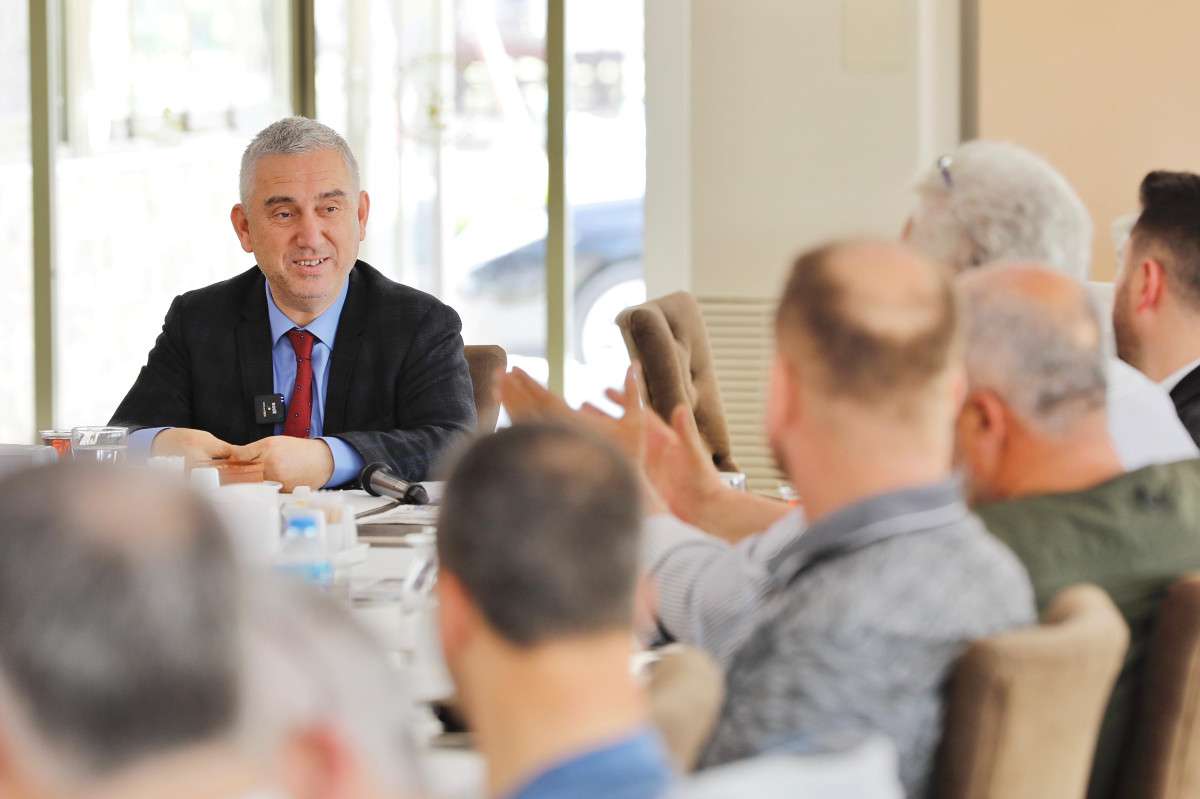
(398, 391)
(1186, 396)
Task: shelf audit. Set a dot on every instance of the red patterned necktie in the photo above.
(299, 410)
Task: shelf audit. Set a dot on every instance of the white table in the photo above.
(452, 773)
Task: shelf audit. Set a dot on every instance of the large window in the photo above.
(159, 101)
(16, 229)
(606, 181)
(446, 103)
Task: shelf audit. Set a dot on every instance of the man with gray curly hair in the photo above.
(1045, 476)
(312, 362)
(992, 201)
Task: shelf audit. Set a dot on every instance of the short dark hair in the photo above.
(856, 359)
(1171, 218)
(119, 631)
(540, 523)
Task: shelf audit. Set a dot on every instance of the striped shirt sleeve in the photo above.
(711, 593)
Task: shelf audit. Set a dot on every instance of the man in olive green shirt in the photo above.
(1042, 471)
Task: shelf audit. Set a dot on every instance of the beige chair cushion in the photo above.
(484, 360)
(667, 335)
(1164, 757)
(686, 690)
(1025, 706)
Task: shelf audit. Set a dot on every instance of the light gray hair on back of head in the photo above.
(293, 136)
(308, 662)
(994, 202)
(1049, 367)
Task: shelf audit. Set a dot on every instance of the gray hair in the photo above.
(994, 201)
(1045, 362)
(293, 136)
(118, 617)
(309, 662)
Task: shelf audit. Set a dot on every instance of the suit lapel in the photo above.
(254, 359)
(345, 351)
(1186, 391)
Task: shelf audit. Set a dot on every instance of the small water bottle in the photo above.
(302, 551)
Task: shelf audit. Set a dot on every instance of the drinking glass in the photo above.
(105, 445)
(59, 439)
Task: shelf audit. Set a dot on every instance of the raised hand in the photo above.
(674, 458)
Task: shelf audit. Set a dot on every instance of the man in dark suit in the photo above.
(312, 362)
(1156, 308)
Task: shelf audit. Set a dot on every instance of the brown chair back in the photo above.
(1025, 706)
(484, 360)
(686, 690)
(668, 337)
(1163, 761)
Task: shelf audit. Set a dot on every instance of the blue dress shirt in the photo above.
(347, 463)
(635, 767)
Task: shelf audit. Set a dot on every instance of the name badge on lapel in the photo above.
(269, 409)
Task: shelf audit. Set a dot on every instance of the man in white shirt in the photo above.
(1156, 310)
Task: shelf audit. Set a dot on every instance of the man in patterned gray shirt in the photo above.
(850, 627)
(866, 612)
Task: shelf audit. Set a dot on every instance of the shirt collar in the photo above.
(1177, 377)
(324, 327)
(869, 521)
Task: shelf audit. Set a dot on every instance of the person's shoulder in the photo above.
(224, 292)
(1185, 471)
(393, 295)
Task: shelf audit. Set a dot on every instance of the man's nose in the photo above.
(308, 233)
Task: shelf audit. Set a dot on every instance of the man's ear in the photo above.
(316, 764)
(457, 615)
(784, 390)
(992, 414)
(981, 435)
(241, 226)
(1153, 284)
(10, 779)
(364, 210)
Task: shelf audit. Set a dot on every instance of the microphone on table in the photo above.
(380, 481)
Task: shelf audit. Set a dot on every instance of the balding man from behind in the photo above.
(866, 612)
(1045, 475)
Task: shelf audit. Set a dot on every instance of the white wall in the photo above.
(775, 124)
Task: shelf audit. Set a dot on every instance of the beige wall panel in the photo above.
(776, 124)
(1106, 89)
(784, 137)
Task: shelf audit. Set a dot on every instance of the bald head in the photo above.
(1033, 336)
(118, 616)
(871, 322)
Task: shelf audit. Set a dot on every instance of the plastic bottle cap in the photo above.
(301, 527)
